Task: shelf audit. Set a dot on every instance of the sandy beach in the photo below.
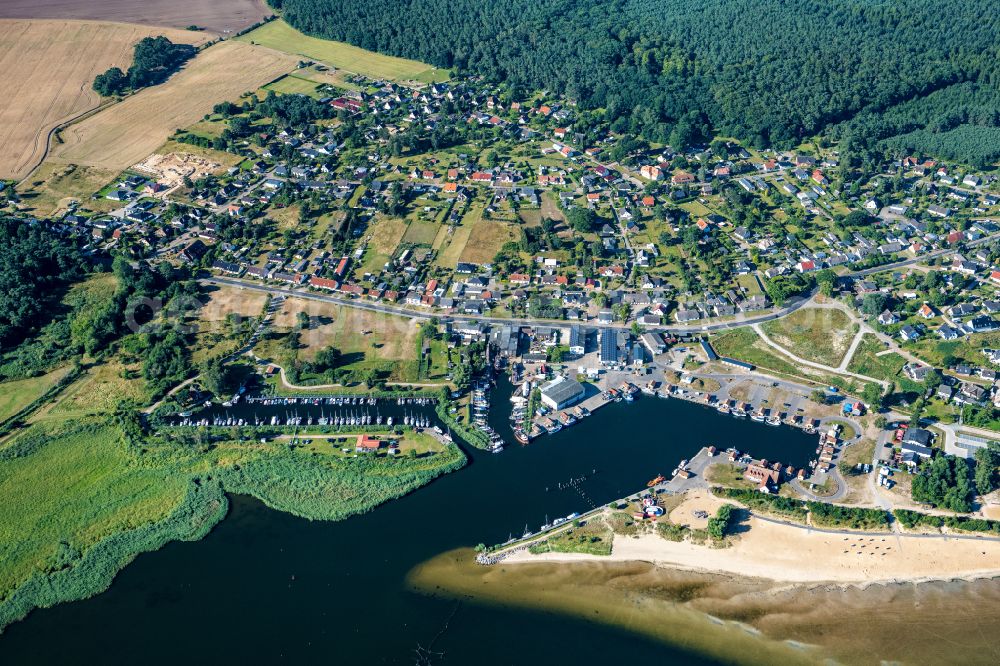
(790, 554)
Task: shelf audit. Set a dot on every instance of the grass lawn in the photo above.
(594, 537)
(280, 36)
(420, 443)
(387, 343)
(816, 334)
(421, 232)
(294, 85)
(16, 395)
(745, 345)
(727, 475)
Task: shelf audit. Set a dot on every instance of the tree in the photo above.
(216, 376)
(461, 375)
(111, 82)
(987, 461)
(819, 396)
(873, 304)
(872, 395)
(824, 280)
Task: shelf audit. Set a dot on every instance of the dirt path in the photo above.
(819, 366)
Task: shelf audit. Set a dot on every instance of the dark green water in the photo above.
(266, 587)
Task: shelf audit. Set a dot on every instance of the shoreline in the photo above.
(795, 555)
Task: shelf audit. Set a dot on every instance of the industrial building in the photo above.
(562, 392)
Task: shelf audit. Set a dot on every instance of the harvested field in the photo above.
(126, 133)
(46, 71)
(219, 16)
(283, 37)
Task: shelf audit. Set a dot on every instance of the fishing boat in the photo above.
(773, 420)
(521, 436)
(723, 407)
(659, 479)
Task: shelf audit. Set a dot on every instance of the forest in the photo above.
(766, 71)
(35, 266)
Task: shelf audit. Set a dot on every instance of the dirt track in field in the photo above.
(46, 72)
(218, 16)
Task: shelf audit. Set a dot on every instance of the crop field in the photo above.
(282, 37)
(123, 134)
(817, 334)
(46, 72)
(219, 16)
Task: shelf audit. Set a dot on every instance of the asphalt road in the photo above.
(792, 306)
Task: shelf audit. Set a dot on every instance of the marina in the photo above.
(305, 575)
(309, 411)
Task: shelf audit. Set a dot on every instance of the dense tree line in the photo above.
(945, 482)
(154, 60)
(767, 71)
(36, 264)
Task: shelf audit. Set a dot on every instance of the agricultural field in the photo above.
(125, 133)
(280, 36)
(217, 16)
(820, 335)
(46, 72)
